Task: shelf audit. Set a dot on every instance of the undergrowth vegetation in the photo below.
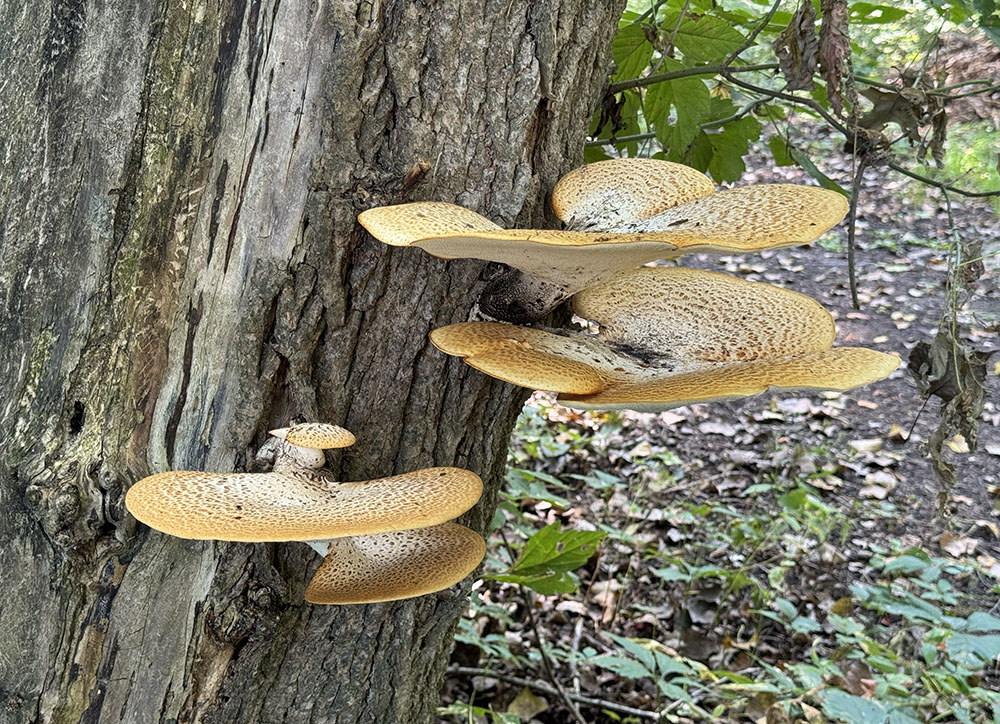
(772, 599)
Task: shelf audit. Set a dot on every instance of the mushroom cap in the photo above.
(604, 195)
(838, 368)
(669, 337)
(287, 506)
(742, 219)
(315, 435)
(394, 565)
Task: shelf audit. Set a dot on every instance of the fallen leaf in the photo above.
(643, 449)
(958, 444)
(876, 492)
(957, 546)
(526, 705)
(717, 428)
(872, 444)
(842, 606)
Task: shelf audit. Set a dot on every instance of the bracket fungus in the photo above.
(397, 564)
(670, 337)
(621, 214)
(388, 538)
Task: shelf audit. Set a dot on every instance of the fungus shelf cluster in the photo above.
(382, 539)
(667, 336)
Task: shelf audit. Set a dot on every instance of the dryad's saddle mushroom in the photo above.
(669, 337)
(387, 538)
(621, 214)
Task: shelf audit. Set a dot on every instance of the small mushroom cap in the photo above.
(301, 506)
(604, 195)
(316, 435)
(400, 564)
(668, 337)
(743, 219)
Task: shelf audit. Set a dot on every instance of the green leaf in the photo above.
(779, 149)
(629, 668)
(548, 557)
(963, 647)
(867, 13)
(637, 650)
(825, 181)
(631, 51)
(690, 100)
(839, 704)
(898, 716)
(905, 564)
(731, 144)
(671, 574)
(786, 607)
(982, 621)
(669, 665)
(703, 40)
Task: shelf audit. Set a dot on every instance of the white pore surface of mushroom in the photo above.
(621, 214)
(670, 337)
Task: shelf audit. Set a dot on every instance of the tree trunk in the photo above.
(182, 271)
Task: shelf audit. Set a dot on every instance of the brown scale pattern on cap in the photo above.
(670, 337)
(604, 195)
(689, 314)
(749, 218)
(289, 506)
(405, 224)
(840, 368)
(319, 436)
(401, 564)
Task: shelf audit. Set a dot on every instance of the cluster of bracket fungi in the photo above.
(666, 336)
(382, 539)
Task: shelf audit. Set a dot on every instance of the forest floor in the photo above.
(735, 529)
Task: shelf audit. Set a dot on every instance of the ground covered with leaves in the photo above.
(790, 557)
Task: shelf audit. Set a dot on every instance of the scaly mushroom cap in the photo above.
(670, 337)
(400, 564)
(625, 235)
(287, 506)
(316, 435)
(603, 196)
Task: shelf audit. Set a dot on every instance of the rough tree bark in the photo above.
(181, 270)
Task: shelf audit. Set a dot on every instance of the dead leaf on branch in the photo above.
(946, 368)
(797, 48)
(834, 50)
(911, 107)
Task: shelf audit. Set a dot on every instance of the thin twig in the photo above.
(748, 108)
(753, 35)
(546, 661)
(941, 185)
(540, 686)
(685, 73)
(852, 217)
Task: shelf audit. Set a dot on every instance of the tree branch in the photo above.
(685, 73)
(540, 686)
